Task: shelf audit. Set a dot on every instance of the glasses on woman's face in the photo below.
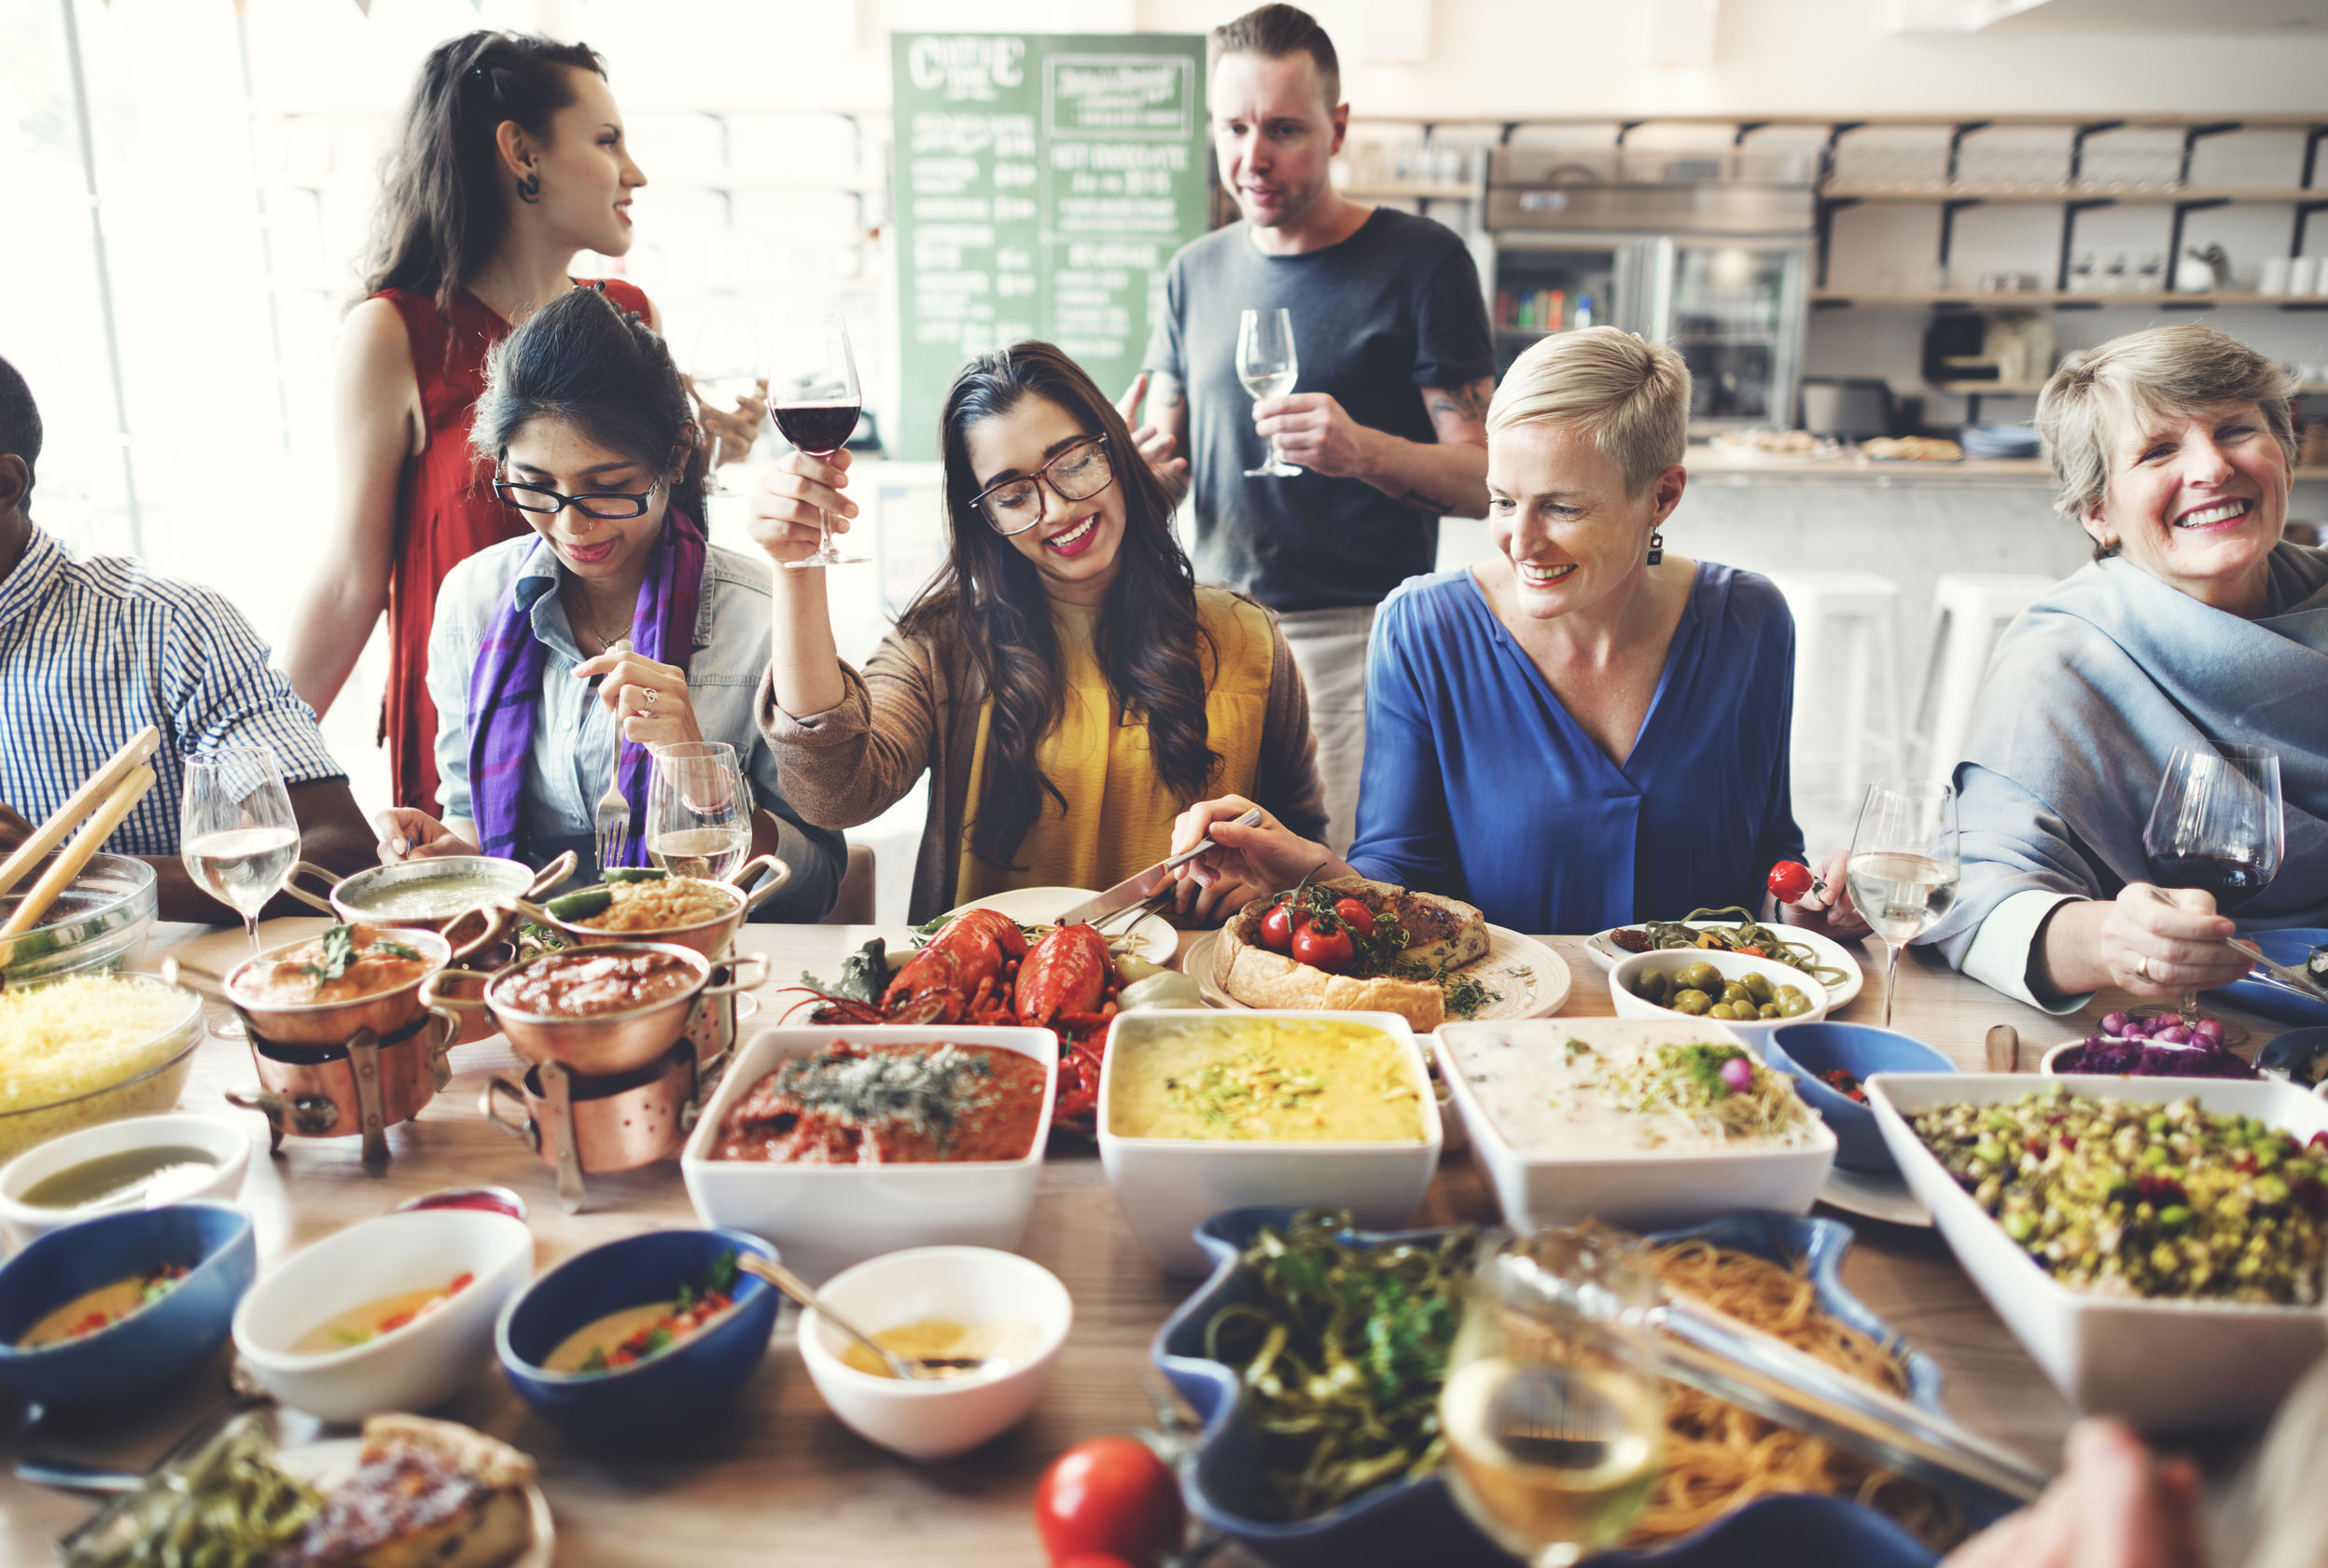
(1077, 474)
(534, 498)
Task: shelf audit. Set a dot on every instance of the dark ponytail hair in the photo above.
(582, 361)
(988, 602)
(442, 208)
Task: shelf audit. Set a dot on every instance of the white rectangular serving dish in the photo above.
(823, 1218)
(2164, 1366)
(1167, 1187)
(1644, 1190)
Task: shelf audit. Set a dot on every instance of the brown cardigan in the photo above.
(916, 706)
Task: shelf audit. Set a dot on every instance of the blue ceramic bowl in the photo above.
(1788, 1533)
(1418, 1521)
(663, 1394)
(2290, 946)
(152, 1347)
(1803, 1051)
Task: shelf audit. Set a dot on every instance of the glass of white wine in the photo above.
(237, 835)
(699, 812)
(726, 367)
(1552, 1411)
(1266, 365)
(1903, 865)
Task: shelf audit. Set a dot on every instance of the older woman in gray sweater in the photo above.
(2196, 625)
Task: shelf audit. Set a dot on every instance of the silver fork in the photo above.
(613, 825)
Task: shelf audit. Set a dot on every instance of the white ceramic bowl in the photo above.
(1733, 965)
(937, 1419)
(1641, 1190)
(414, 1368)
(824, 1217)
(226, 1143)
(2160, 1364)
(1167, 1187)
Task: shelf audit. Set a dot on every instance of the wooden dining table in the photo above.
(777, 1478)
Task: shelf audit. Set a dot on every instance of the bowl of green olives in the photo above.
(1750, 996)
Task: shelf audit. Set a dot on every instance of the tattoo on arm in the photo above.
(1424, 503)
(1456, 412)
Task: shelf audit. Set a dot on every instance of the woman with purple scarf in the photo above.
(614, 612)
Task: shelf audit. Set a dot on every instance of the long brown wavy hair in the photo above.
(987, 603)
(442, 209)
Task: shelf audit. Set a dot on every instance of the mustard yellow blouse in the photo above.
(1119, 813)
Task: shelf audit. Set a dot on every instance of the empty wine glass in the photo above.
(1903, 865)
(1266, 365)
(725, 366)
(2218, 823)
(699, 813)
(1552, 1411)
(237, 835)
(815, 399)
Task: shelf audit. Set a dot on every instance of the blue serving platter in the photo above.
(1418, 1521)
(2290, 946)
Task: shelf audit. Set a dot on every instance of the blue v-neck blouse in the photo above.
(1479, 784)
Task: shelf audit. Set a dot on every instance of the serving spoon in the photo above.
(910, 1367)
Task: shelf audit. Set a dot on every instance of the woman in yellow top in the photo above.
(1066, 682)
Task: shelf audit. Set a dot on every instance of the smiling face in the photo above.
(587, 175)
(1076, 544)
(556, 456)
(2196, 498)
(1274, 133)
(1558, 507)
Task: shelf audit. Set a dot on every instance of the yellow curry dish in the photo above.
(1266, 1080)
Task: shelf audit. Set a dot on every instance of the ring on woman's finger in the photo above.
(2141, 965)
(651, 695)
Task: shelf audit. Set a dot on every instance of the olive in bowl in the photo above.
(1748, 995)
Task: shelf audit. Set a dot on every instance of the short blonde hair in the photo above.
(2161, 369)
(1630, 396)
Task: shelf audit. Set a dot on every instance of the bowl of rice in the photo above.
(99, 921)
(91, 1049)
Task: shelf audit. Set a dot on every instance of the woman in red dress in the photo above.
(511, 160)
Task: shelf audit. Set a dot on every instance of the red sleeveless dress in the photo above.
(447, 513)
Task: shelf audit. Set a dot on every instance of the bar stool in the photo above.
(1970, 612)
(1846, 630)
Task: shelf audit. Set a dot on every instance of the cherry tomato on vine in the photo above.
(1109, 1497)
(1322, 943)
(1789, 880)
(1355, 915)
(1276, 927)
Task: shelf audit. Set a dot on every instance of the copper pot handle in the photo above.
(780, 874)
(551, 875)
(500, 920)
(309, 868)
(488, 1106)
(432, 992)
(755, 961)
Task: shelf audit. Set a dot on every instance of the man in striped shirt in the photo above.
(95, 649)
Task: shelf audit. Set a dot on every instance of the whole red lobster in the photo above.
(978, 969)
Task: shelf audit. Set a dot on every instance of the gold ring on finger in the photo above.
(2141, 965)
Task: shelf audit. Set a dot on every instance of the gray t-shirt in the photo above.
(1394, 308)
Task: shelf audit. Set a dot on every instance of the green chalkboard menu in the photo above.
(1043, 181)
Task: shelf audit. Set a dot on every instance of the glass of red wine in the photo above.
(814, 397)
(2218, 825)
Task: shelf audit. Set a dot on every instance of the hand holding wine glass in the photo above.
(2218, 825)
(728, 379)
(814, 400)
(699, 813)
(1267, 366)
(1904, 865)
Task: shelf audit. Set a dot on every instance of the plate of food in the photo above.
(1373, 947)
(1830, 962)
(1037, 911)
(410, 1490)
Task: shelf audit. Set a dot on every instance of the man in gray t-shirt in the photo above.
(1397, 366)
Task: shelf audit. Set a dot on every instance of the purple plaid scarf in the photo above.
(504, 687)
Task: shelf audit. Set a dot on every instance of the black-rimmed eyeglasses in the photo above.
(1077, 474)
(613, 507)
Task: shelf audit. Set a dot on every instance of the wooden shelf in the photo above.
(2063, 193)
(2056, 297)
(1463, 193)
(2031, 389)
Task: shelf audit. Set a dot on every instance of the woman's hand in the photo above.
(649, 701)
(1247, 863)
(1831, 913)
(732, 431)
(2115, 1505)
(2153, 948)
(407, 834)
(782, 510)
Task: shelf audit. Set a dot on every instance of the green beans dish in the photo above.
(2134, 1197)
(1700, 928)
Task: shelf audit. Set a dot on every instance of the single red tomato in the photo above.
(1276, 927)
(1355, 915)
(1111, 1496)
(1091, 1560)
(1789, 880)
(1323, 944)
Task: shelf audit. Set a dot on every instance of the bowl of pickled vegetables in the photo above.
(1750, 996)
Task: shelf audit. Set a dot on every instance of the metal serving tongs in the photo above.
(1715, 1353)
(2294, 979)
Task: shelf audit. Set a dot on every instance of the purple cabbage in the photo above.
(2203, 1058)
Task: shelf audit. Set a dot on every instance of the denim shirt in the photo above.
(572, 759)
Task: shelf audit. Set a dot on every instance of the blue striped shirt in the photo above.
(95, 649)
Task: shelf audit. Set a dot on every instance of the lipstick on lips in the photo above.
(2226, 513)
(586, 555)
(1076, 540)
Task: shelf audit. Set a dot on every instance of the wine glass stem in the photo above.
(250, 925)
(1891, 977)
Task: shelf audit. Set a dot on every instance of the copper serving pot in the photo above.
(606, 1043)
(358, 1085)
(500, 881)
(619, 1123)
(385, 1013)
(709, 937)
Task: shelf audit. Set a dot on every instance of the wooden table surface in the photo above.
(778, 1478)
